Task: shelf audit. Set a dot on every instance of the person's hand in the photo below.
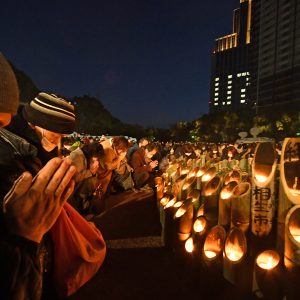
(153, 164)
(33, 205)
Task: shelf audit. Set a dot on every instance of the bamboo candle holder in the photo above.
(267, 276)
(292, 238)
(289, 187)
(213, 249)
(233, 175)
(225, 197)
(211, 200)
(235, 266)
(240, 206)
(159, 185)
(263, 189)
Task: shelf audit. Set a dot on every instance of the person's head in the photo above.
(93, 151)
(51, 117)
(9, 92)
(150, 150)
(143, 142)
(120, 144)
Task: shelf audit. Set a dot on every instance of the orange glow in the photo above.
(170, 203)
(180, 212)
(178, 204)
(199, 225)
(233, 252)
(189, 245)
(261, 178)
(206, 177)
(210, 254)
(225, 195)
(268, 260)
(164, 201)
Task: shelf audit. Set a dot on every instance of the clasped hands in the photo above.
(33, 205)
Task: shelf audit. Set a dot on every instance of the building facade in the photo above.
(230, 76)
(275, 55)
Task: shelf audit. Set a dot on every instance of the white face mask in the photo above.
(47, 145)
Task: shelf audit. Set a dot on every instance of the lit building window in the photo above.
(248, 83)
(228, 102)
(216, 98)
(247, 79)
(229, 97)
(247, 73)
(229, 76)
(216, 89)
(216, 84)
(243, 90)
(243, 95)
(216, 94)
(229, 81)
(239, 74)
(216, 103)
(223, 103)
(243, 101)
(229, 92)
(217, 79)
(229, 87)
(244, 74)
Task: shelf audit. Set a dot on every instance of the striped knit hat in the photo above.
(51, 113)
(9, 91)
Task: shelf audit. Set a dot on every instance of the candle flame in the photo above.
(225, 195)
(206, 177)
(164, 201)
(297, 238)
(170, 203)
(233, 252)
(210, 254)
(199, 225)
(178, 204)
(261, 178)
(268, 260)
(189, 245)
(200, 173)
(180, 212)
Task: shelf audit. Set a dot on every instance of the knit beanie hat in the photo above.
(9, 91)
(51, 113)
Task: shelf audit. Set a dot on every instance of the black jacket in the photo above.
(21, 260)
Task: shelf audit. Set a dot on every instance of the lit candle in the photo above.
(268, 259)
(261, 178)
(210, 254)
(189, 245)
(206, 177)
(233, 252)
(180, 212)
(297, 238)
(164, 200)
(199, 225)
(225, 194)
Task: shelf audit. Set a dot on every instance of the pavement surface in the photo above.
(138, 266)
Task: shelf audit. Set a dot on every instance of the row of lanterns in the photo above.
(238, 216)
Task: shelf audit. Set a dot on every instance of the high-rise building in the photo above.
(275, 55)
(230, 76)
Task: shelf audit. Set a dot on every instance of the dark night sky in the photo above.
(147, 60)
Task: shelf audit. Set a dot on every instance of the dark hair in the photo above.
(150, 147)
(92, 149)
(120, 143)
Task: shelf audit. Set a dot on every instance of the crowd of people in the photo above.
(53, 180)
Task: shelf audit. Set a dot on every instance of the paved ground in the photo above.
(137, 266)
